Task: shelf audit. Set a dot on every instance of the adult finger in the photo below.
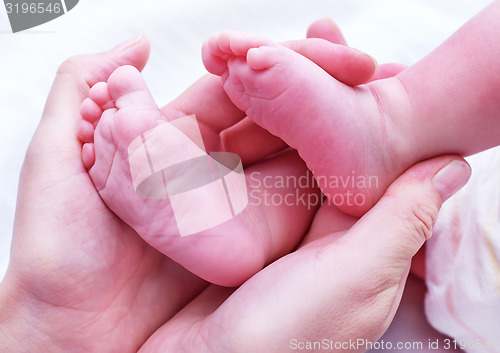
(338, 295)
(349, 288)
(402, 220)
(56, 133)
(329, 50)
(345, 64)
(326, 29)
(77, 74)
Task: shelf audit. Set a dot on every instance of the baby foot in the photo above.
(339, 131)
(120, 119)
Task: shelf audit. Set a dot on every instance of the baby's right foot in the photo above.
(341, 132)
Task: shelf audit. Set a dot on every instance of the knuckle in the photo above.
(75, 70)
(420, 218)
(72, 65)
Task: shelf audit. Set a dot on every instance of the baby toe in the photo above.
(88, 155)
(85, 131)
(90, 111)
(128, 89)
(99, 93)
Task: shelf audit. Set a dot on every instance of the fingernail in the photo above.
(451, 178)
(127, 44)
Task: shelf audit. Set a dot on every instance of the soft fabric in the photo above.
(463, 261)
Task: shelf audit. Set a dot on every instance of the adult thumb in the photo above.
(55, 139)
(393, 231)
(77, 74)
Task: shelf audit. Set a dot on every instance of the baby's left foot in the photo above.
(339, 131)
(174, 195)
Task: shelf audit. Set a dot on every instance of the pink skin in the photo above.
(121, 109)
(293, 98)
(373, 131)
(80, 279)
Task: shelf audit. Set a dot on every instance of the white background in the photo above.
(390, 30)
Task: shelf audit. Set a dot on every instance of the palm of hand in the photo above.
(89, 269)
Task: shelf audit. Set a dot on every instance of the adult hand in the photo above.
(79, 278)
(339, 291)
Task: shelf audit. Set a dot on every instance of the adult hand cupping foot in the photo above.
(79, 277)
(82, 280)
(121, 111)
(342, 285)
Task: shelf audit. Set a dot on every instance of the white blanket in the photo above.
(463, 261)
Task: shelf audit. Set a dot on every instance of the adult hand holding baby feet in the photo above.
(80, 279)
(123, 112)
(119, 118)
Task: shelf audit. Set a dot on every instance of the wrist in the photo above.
(20, 329)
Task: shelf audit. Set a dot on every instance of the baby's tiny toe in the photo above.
(90, 111)
(85, 131)
(88, 155)
(127, 88)
(99, 93)
(241, 43)
(215, 46)
(223, 42)
(213, 63)
(221, 47)
(266, 57)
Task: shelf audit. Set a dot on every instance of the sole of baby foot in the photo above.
(130, 138)
(339, 131)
